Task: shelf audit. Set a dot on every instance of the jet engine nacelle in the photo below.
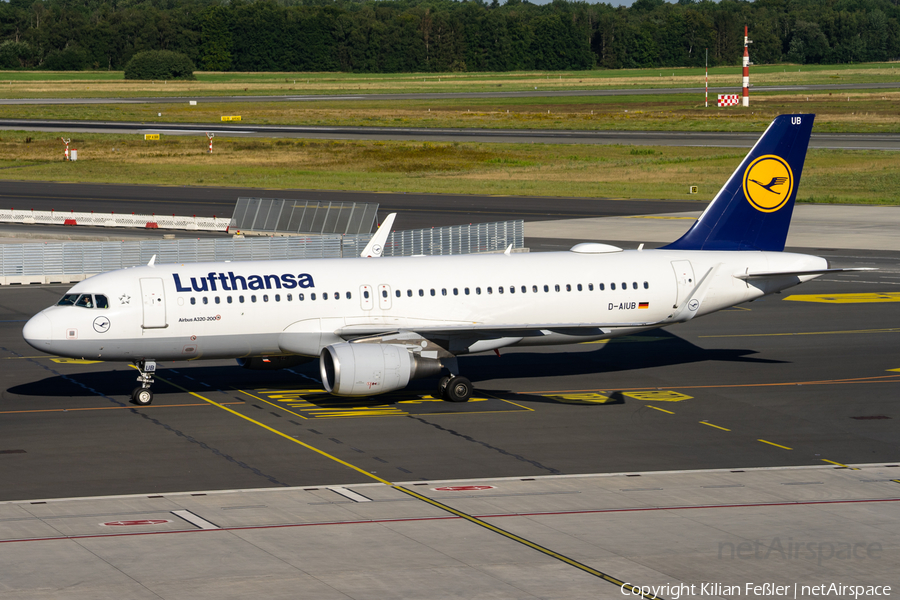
(368, 369)
(271, 363)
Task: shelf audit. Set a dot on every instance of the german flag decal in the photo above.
(644, 305)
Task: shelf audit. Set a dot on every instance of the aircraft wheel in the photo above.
(442, 386)
(142, 396)
(459, 389)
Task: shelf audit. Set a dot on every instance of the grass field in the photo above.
(875, 111)
(869, 177)
(523, 169)
(50, 84)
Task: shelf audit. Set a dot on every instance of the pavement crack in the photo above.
(486, 445)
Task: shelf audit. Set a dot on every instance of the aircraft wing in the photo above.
(489, 331)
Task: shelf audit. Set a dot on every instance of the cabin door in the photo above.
(154, 303)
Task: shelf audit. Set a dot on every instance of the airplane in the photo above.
(376, 323)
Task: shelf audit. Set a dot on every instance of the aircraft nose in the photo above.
(37, 332)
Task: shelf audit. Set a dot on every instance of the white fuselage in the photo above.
(472, 302)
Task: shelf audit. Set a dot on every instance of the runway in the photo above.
(536, 93)
(840, 141)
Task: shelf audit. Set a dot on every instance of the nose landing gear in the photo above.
(142, 394)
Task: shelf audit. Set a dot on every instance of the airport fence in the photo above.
(67, 262)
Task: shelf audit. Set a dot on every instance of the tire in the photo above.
(442, 386)
(142, 396)
(459, 389)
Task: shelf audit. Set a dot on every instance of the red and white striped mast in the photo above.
(706, 100)
(746, 90)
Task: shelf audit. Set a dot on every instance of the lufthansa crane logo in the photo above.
(768, 183)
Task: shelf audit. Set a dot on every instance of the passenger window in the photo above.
(193, 300)
(409, 293)
(397, 293)
(289, 297)
(612, 286)
(265, 297)
(101, 301)
(546, 288)
(365, 294)
(240, 299)
(512, 289)
(490, 290)
(646, 285)
(68, 300)
(534, 289)
(253, 298)
(432, 291)
(384, 294)
(478, 291)
(348, 296)
(312, 296)
(467, 291)
(557, 287)
(277, 297)
(579, 287)
(228, 299)
(218, 300)
(590, 287)
(568, 287)
(421, 293)
(624, 285)
(525, 289)
(500, 288)
(337, 295)
(443, 291)
(300, 297)
(634, 285)
(324, 295)
(456, 291)
(602, 287)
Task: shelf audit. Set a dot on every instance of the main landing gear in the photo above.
(142, 394)
(455, 388)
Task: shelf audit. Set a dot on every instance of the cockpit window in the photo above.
(68, 300)
(84, 300)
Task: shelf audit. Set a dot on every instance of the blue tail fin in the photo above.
(753, 209)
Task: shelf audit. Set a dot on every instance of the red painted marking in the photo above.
(463, 488)
(448, 518)
(70, 222)
(136, 522)
(151, 225)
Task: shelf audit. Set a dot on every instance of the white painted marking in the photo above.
(349, 494)
(194, 519)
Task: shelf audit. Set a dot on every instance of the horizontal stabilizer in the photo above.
(765, 274)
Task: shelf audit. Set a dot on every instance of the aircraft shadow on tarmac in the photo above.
(646, 350)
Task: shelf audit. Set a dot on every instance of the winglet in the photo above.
(375, 247)
(753, 209)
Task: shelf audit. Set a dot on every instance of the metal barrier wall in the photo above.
(142, 221)
(278, 215)
(66, 262)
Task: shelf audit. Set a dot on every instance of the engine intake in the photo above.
(369, 369)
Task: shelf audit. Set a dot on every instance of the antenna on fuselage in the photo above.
(152, 262)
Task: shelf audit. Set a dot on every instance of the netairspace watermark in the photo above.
(817, 551)
(674, 591)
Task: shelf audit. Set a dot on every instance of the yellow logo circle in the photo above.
(768, 183)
